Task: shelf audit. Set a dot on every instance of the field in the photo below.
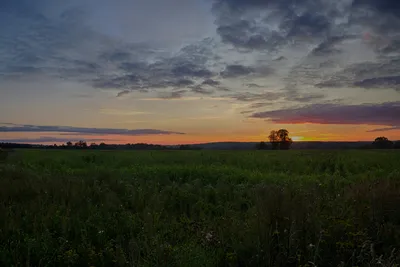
(200, 208)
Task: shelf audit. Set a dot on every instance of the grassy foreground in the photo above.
(200, 208)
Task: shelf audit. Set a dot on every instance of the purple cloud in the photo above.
(384, 129)
(67, 129)
(371, 114)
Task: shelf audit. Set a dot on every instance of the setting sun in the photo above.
(298, 138)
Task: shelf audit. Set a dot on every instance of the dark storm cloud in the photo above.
(371, 114)
(82, 130)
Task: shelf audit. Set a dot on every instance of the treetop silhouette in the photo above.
(280, 139)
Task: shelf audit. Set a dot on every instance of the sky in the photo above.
(195, 71)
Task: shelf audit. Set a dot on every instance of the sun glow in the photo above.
(298, 138)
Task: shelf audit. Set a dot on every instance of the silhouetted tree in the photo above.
(274, 139)
(284, 140)
(3, 154)
(382, 143)
(69, 144)
(396, 145)
(261, 146)
(280, 139)
(81, 144)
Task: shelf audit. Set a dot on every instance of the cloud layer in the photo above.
(41, 38)
(66, 129)
(371, 114)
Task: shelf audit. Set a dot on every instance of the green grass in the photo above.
(200, 208)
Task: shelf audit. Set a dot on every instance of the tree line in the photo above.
(382, 142)
(102, 146)
(280, 140)
(277, 139)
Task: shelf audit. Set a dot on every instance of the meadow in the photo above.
(200, 208)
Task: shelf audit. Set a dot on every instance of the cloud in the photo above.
(269, 25)
(273, 96)
(380, 82)
(303, 98)
(238, 46)
(371, 114)
(42, 140)
(385, 129)
(82, 130)
(368, 75)
(71, 41)
(191, 70)
(328, 46)
(259, 105)
(318, 41)
(253, 85)
(124, 92)
(249, 97)
(177, 71)
(232, 71)
(200, 90)
(173, 95)
(243, 34)
(211, 82)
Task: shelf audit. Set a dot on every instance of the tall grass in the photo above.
(198, 208)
